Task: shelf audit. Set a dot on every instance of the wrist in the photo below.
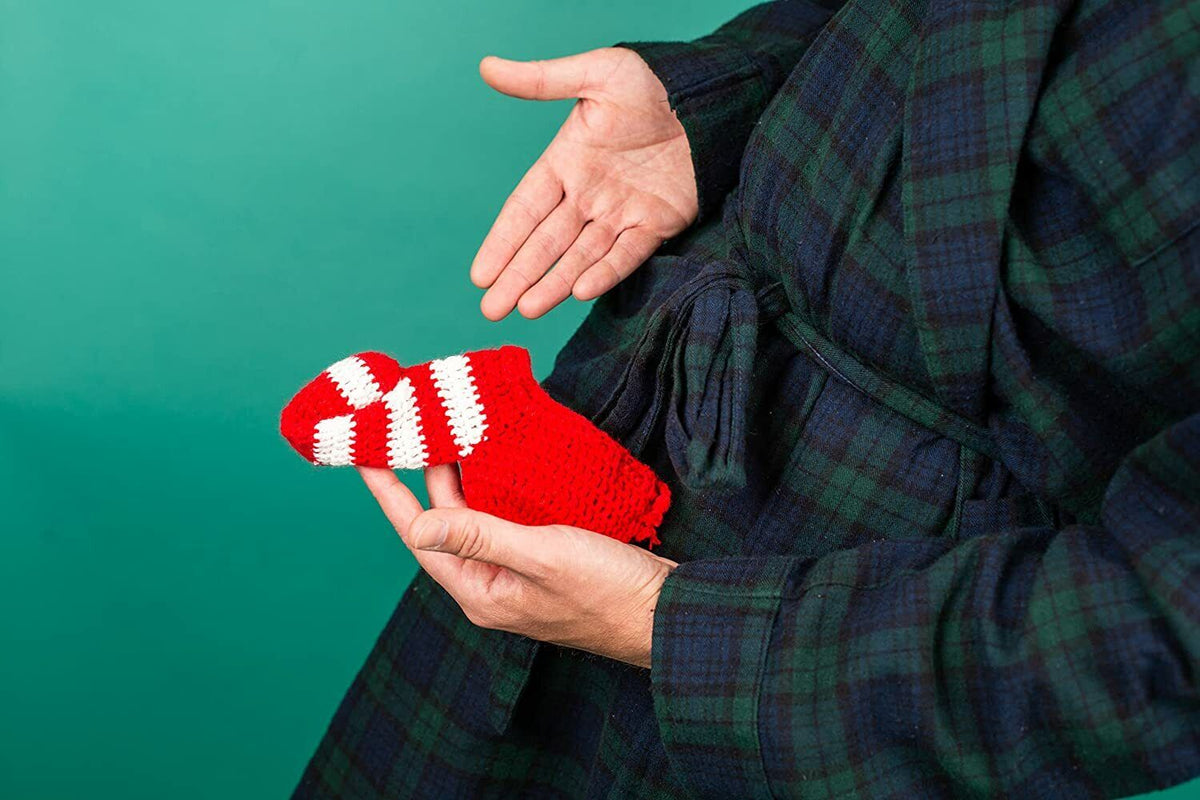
(643, 617)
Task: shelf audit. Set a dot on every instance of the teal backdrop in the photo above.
(201, 205)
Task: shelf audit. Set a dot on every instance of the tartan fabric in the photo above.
(925, 384)
(718, 85)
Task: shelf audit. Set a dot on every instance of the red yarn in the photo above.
(523, 456)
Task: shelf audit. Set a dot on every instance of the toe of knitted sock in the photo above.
(368, 410)
(337, 418)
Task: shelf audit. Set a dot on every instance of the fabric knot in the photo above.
(691, 370)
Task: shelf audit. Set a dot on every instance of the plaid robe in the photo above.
(925, 381)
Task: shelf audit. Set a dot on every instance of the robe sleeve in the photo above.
(1001, 661)
(1038, 661)
(719, 84)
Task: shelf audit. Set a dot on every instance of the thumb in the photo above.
(482, 537)
(553, 79)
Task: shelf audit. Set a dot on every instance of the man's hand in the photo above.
(556, 583)
(616, 181)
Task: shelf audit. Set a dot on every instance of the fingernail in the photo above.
(431, 535)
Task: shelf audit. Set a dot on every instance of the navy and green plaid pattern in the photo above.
(926, 385)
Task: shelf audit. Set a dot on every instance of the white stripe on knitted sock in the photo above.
(464, 412)
(354, 380)
(333, 441)
(406, 443)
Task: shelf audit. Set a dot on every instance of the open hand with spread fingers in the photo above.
(614, 183)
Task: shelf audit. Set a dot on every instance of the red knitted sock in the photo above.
(524, 457)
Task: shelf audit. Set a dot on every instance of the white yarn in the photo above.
(460, 399)
(354, 380)
(406, 442)
(333, 441)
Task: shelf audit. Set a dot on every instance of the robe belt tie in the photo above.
(691, 372)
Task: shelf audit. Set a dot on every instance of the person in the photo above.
(900, 297)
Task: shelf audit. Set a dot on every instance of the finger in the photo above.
(533, 198)
(543, 247)
(551, 79)
(444, 485)
(399, 504)
(401, 507)
(592, 244)
(631, 248)
(482, 537)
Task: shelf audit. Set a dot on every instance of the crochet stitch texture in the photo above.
(523, 456)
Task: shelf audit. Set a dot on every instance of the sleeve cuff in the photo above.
(712, 627)
(717, 91)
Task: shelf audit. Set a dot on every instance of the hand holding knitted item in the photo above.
(523, 456)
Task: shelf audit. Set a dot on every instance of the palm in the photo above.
(636, 157)
(614, 183)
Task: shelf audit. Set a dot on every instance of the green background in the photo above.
(201, 205)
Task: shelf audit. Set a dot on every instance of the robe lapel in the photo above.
(967, 111)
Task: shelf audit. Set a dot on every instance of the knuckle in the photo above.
(478, 616)
(604, 232)
(473, 540)
(518, 275)
(541, 78)
(509, 246)
(544, 243)
(623, 251)
(519, 205)
(542, 569)
(612, 274)
(592, 253)
(605, 240)
(557, 276)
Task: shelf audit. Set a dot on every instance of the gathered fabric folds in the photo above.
(691, 372)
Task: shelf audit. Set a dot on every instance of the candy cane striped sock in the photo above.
(523, 456)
